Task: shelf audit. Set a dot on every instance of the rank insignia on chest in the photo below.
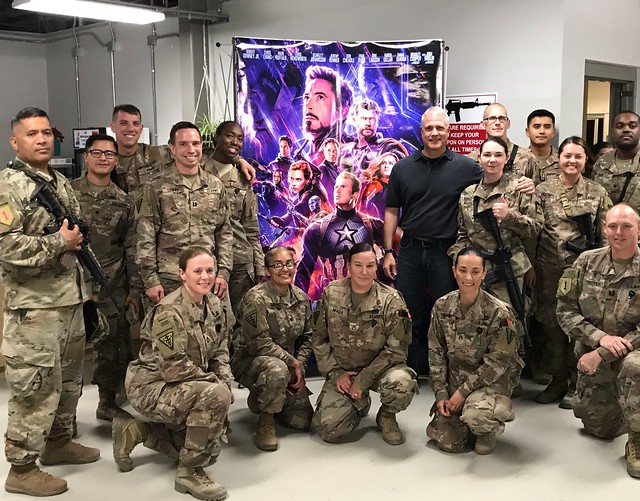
(353, 326)
(194, 204)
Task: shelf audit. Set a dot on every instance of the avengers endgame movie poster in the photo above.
(324, 124)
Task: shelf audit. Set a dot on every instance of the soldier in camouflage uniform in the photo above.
(45, 287)
(473, 355)
(520, 219)
(109, 213)
(248, 258)
(618, 171)
(599, 307)
(273, 338)
(541, 128)
(496, 123)
(139, 163)
(361, 337)
(181, 381)
(184, 206)
(560, 243)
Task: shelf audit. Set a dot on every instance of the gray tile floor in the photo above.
(542, 455)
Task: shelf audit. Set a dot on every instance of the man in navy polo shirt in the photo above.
(426, 186)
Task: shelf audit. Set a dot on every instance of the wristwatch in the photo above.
(387, 251)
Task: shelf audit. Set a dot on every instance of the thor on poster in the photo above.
(324, 124)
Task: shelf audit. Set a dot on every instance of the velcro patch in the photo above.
(7, 215)
(165, 332)
(567, 282)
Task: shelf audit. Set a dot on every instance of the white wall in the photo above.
(596, 31)
(23, 82)
(133, 78)
(513, 48)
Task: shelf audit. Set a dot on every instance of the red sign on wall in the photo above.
(465, 120)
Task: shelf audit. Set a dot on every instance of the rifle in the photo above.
(48, 199)
(502, 270)
(585, 225)
(455, 105)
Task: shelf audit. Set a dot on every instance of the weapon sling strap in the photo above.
(512, 158)
(39, 181)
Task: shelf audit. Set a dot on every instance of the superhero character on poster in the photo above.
(313, 110)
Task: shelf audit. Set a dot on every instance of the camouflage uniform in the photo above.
(248, 258)
(273, 331)
(172, 217)
(475, 353)
(594, 301)
(132, 173)
(614, 178)
(45, 286)
(181, 380)
(372, 340)
(109, 213)
(519, 230)
(553, 258)
(546, 169)
(524, 164)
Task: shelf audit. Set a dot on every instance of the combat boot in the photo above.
(266, 438)
(556, 390)
(30, 480)
(632, 454)
(486, 444)
(107, 408)
(126, 434)
(391, 433)
(67, 451)
(196, 482)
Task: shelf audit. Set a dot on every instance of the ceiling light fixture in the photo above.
(88, 9)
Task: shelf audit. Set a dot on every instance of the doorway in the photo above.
(609, 89)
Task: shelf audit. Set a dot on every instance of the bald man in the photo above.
(599, 307)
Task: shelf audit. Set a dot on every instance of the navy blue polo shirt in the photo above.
(428, 190)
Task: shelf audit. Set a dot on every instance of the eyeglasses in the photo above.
(493, 119)
(278, 265)
(107, 153)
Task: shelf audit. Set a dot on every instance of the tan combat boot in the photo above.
(108, 409)
(391, 433)
(486, 444)
(126, 434)
(632, 454)
(32, 481)
(266, 438)
(196, 482)
(67, 451)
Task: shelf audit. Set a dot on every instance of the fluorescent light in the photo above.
(92, 10)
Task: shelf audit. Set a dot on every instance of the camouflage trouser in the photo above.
(188, 416)
(267, 379)
(240, 281)
(338, 414)
(44, 350)
(559, 359)
(484, 411)
(113, 353)
(609, 400)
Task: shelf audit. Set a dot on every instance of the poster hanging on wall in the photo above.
(313, 110)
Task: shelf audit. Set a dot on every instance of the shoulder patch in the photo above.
(567, 282)
(254, 321)
(7, 215)
(165, 333)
